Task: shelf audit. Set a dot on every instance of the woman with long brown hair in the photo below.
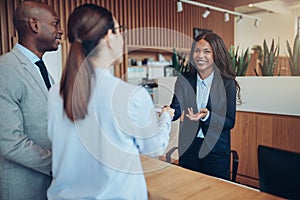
(98, 124)
(209, 89)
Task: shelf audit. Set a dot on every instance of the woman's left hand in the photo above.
(199, 115)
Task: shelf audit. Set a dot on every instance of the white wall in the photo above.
(280, 26)
(53, 61)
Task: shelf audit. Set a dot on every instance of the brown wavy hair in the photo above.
(87, 25)
(221, 57)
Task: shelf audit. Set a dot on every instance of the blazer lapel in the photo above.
(32, 71)
(193, 81)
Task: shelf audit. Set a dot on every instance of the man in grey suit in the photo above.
(25, 150)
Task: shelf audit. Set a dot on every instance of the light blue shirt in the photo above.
(29, 54)
(203, 90)
(98, 157)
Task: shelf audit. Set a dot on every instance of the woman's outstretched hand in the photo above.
(169, 110)
(199, 115)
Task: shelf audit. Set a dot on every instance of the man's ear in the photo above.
(33, 24)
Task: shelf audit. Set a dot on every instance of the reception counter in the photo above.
(166, 181)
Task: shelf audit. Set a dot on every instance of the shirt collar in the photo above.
(103, 72)
(29, 54)
(206, 81)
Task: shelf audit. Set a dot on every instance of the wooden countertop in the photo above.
(166, 181)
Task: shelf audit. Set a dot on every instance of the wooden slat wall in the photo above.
(283, 66)
(135, 14)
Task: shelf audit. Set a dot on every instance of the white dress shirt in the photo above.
(98, 157)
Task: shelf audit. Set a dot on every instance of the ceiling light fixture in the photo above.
(179, 6)
(217, 9)
(239, 19)
(206, 13)
(226, 17)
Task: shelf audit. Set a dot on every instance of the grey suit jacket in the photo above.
(25, 150)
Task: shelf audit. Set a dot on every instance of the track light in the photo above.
(210, 7)
(206, 13)
(239, 19)
(256, 23)
(179, 6)
(226, 17)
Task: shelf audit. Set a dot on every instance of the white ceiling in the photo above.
(276, 6)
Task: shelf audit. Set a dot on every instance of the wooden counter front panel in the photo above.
(252, 129)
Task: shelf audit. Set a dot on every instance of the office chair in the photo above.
(235, 161)
(279, 172)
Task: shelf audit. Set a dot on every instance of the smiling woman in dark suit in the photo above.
(209, 89)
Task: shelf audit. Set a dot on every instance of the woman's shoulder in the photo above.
(229, 82)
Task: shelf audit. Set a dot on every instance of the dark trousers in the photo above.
(214, 163)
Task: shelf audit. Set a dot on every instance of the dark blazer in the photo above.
(222, 107)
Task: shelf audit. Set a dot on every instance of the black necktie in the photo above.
(44, 72)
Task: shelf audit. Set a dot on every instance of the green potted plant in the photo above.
(239, 62)
(269, 60)
(294, 56)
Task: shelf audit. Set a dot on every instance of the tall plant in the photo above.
(175, 61)
(270, 59)
(294, 56)
(239, 62)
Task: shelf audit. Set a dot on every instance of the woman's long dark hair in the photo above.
(221, 57)
(87, 25)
